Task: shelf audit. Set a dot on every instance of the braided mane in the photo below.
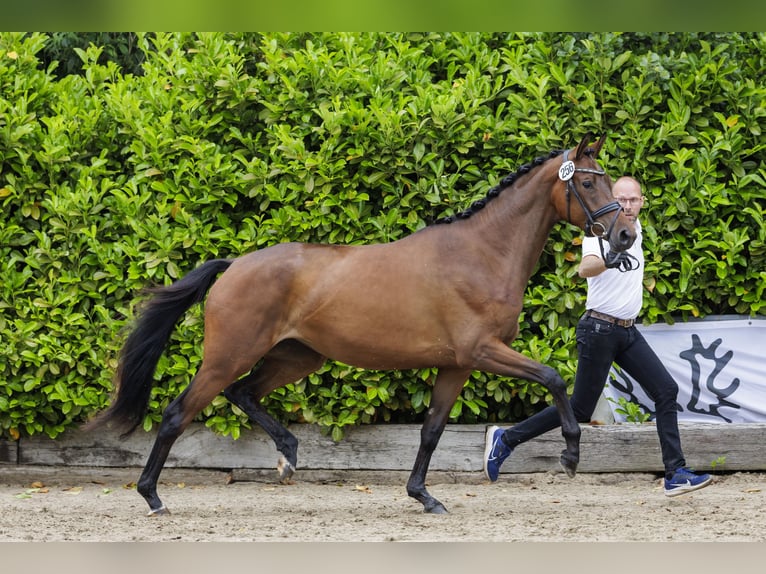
(507, 181)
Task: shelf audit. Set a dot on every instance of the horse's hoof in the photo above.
(285, 470)
(437, 508)
(568, 464)
(162, 510)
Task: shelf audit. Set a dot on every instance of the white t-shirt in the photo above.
(616, 293)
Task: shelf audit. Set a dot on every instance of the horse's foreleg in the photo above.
(496, 357)
(446, 389)
(570, 429)
(286, 363)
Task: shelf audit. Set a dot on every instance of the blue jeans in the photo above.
(599, 344)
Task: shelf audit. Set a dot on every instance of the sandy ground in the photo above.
(44, 504)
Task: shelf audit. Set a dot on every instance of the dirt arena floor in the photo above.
(101, 505)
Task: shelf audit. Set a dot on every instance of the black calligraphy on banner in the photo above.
(697, 401)
(708, 395)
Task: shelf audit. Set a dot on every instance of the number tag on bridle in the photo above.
(567, 170)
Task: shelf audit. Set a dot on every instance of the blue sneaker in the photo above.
(495, 452)
(684, 480)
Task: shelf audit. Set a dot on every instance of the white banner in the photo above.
(719, 364)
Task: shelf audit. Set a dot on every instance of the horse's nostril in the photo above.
(626, 238)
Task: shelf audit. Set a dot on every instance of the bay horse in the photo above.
(447, 296)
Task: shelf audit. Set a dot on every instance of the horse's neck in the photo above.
(519, 220)
(513, 228)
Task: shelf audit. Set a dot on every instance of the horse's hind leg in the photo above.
(286, 363)
(446, 389)
(200, 392)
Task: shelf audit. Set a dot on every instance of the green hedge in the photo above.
(130, 173)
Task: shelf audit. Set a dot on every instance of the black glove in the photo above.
(620, 260)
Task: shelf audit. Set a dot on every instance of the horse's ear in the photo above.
(583, 145)
(597, 146)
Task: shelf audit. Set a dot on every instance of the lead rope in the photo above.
(629, 263)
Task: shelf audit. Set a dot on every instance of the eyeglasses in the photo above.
(629, 200)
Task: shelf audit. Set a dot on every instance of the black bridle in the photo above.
(566, 174)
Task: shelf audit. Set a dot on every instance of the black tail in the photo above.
(139, 356)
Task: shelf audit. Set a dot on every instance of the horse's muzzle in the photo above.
(622, 239)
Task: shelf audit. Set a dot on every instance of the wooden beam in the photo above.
(9, 451)
(604, 448)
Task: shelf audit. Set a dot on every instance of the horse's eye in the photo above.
(587, 184)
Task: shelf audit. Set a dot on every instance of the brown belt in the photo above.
(609, 319)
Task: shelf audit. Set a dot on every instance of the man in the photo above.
(605, 334)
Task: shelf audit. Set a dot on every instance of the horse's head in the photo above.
(586, 197)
